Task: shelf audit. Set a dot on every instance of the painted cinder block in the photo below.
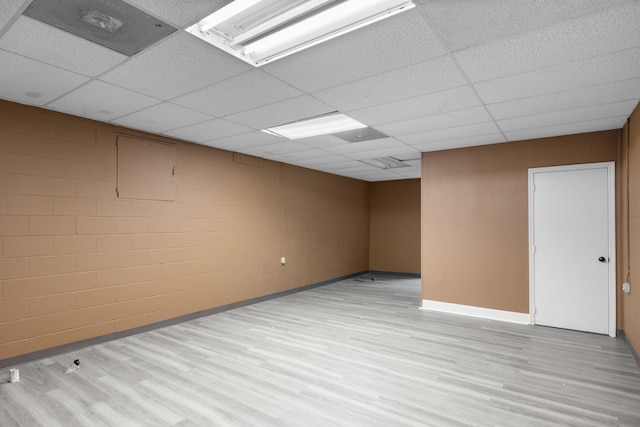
(94, 297)
(11, 225)
(68, 245)
(96, 225)
(26, 164)
(27, 246)
(53, 148)
(15, 204)
(13, 310)
(74, 206)
(47, 265)
(12, 268)
(95, 189)
(51, 225)
(14, 142)
(117, 242)
(50, 304)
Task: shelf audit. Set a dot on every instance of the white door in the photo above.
(572, 247)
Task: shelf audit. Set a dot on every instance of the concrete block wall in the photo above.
(77, 262)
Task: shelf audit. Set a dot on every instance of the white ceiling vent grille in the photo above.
(386, 163)
(260, 31)
(113, 24)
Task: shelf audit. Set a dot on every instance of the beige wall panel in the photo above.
(395, 226)
(77, 262)
(475, 216)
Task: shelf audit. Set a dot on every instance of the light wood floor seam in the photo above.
(355, 353)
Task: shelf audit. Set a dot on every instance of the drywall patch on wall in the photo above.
(146, 169)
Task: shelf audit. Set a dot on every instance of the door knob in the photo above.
(602, 259)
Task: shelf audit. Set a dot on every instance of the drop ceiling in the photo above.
(446, 74)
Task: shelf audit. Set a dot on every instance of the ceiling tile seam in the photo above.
(573, 61)
(47, 105)
(451, 55)
(567, 91)
(158, 17)
(571, 109)
(564, 124)
(539, 29)
(420, 116)
(226, 79)
(226, 116)
(14, 18)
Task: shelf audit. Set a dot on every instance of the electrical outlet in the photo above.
(282, 260)
(626, 287)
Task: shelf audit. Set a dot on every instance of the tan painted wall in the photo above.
(76, 262)
(631, 302)
(475, 216)
(395, 226)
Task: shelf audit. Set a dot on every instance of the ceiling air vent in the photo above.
(386, 163)
(113, 24)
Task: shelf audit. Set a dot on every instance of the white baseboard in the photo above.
(484, 313)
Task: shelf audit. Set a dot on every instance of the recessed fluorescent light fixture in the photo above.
(321, 125)
(261, 31)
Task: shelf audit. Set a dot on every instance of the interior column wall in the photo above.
(395, 226)
(631, 302)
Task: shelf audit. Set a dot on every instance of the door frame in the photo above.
(610, 166)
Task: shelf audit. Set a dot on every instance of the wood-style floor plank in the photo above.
(354, 353)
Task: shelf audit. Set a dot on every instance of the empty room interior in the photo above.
(319, 213)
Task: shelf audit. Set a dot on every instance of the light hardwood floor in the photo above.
(354, 353)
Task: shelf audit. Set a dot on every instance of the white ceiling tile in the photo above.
(471, 141)
(437, 121)
(397, 152)
(50, 45)
(34, 83)
(279, 149)
(355, 147)
(595, 112)
(179, 13)
(444, 101)
(208, 131)
(243, 92)
(470, 131)
(427, 77)
(469, 23)
(407, 173)
(362, 53)
(281, 112)
(297, 154)
(162, 117)
(570, 41)
(339, 165)
(114, 101)
(245, 140)
(321, 160)
(568, 129)
(175, 66)
(594, 71)
(582, 97)
(9, 8)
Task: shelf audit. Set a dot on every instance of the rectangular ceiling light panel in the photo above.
(322, 125)
(260, 31)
